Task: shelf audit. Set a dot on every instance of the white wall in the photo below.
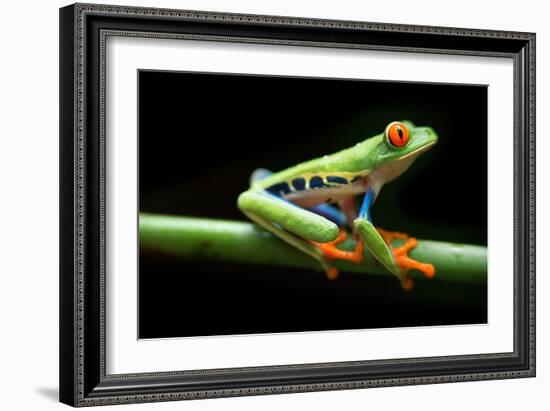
(29, 205)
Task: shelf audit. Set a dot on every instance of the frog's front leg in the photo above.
(379, 243)
(401, 253)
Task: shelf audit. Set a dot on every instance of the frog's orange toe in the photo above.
(332, 273)
(406, 263)
(407, 284)
(402, 259)
(331, 251)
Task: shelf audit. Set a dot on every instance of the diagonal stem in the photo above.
(243, 242)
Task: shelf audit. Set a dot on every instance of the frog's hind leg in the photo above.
(300, 244)
(331, 251)
(343, 216)
(295, 225)
(259, 174)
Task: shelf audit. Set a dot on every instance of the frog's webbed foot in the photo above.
(402, 259)
(331, 251)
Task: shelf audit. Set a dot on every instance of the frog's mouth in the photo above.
(418, 151)
(394, 169)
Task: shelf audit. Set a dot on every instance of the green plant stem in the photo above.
(242, 242)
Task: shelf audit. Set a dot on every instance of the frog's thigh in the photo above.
(291, 239)
(376, 245)
(301, 222)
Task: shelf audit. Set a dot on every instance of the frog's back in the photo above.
(345, 164)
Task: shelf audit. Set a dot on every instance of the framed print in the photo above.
(262, 204)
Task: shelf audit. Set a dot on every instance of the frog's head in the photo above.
(399, 146)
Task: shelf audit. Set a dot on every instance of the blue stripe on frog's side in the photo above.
(337, 180)
(299, 184)
(279, 189)
(315, 182)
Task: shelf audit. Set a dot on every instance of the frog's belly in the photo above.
(313, 197)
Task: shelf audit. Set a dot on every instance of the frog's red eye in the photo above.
(397, 134)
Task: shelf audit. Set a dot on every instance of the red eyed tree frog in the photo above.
(298, 204)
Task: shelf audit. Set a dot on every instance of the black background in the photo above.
(200, 137)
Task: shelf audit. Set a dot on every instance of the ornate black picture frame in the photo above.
(83, 31)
